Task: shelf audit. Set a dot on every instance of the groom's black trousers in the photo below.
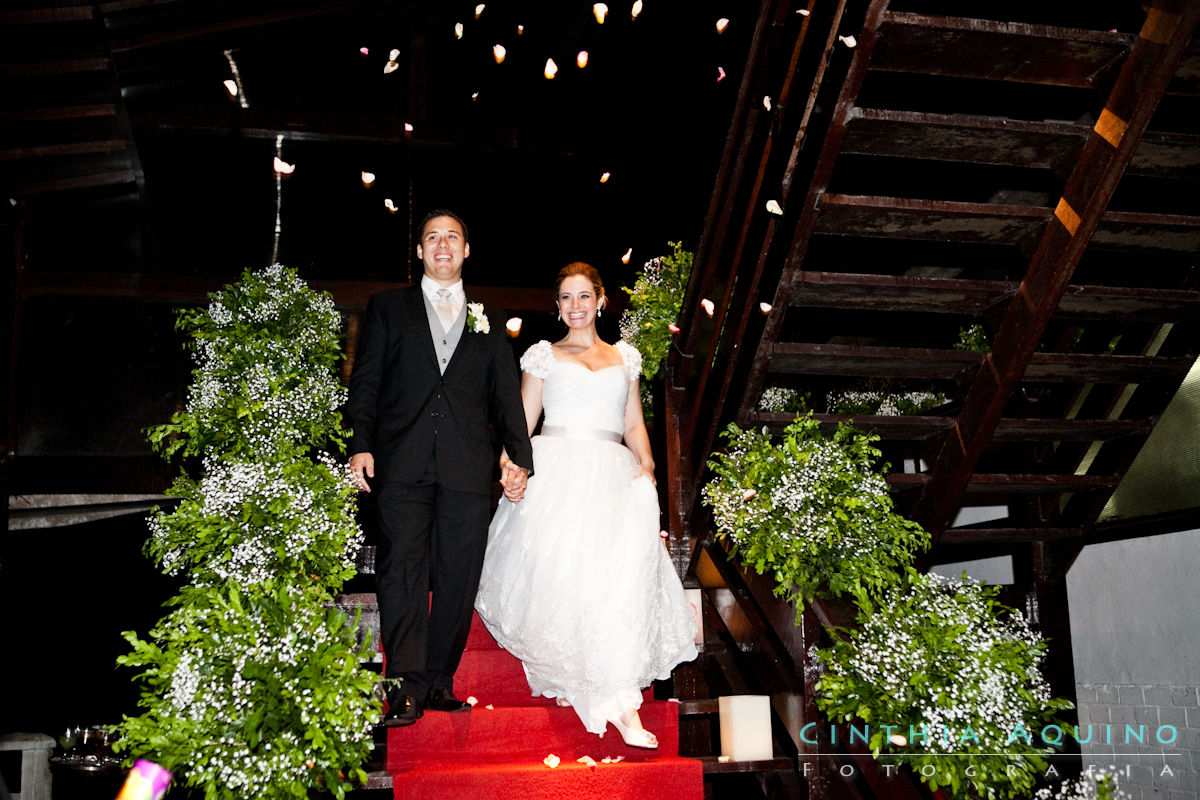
(424, 525)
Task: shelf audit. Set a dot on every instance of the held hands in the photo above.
(514, 479)
(361, 463)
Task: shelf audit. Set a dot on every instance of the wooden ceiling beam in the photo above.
(919, 428)
(1141, 82)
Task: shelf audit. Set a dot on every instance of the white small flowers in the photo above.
(477, 321)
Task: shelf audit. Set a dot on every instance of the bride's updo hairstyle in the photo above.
(587, 271)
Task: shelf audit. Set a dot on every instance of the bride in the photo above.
(576, 582)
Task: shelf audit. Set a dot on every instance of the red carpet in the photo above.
(497, 753)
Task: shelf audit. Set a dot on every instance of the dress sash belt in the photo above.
(581, 433)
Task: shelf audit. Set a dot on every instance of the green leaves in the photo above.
(816, 508)
(251, 685)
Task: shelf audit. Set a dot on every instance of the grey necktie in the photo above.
(443, 304)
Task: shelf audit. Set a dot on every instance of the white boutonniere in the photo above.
(477, 321)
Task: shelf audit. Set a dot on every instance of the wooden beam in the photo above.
(990, 483)
(65, 149)
(54, 113)
(43, 16)
(61, 67)
(72, 183)
(959, 536)
(1142, 80)
(919, 428)
(999, 51)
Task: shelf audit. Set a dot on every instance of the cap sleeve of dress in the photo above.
(632, 358)
(538, 360)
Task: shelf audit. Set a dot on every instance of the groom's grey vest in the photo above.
(444, 342)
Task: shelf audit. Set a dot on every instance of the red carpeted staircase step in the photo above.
(498, 753)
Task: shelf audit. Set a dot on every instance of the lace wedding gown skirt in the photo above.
(576, 582)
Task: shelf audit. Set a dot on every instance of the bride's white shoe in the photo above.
(635, 737)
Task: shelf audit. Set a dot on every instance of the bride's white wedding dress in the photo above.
(576, 581)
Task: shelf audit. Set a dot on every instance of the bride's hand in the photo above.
(647, 472)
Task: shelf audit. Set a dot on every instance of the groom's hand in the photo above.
(362, 466)
(513, 478)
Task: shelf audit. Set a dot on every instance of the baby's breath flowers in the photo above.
(953, 672)
(815, 512)
(1093, 785)
(654, 305)
(252, 685)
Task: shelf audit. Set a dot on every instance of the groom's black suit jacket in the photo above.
(401, 406)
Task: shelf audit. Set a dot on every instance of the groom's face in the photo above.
(442, 250)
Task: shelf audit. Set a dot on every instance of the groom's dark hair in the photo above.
(442, 212)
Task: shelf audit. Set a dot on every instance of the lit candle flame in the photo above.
(581, 59)
(601, 11)
(368, 178)
(722, 24)
(551, 69)
(498, 53)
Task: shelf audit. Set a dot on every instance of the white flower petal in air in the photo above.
(628, 254)
(849, 41)
(389, 205)
(513, 326)
(720, 74)
(490, 707)
(804, 12)
(601, 11)
(708, 306)
(474, 96)
(479, 10)
(458, 30)
(588, 760)
(498, 52)
(551, 69)
(673, 328)
(637, 9)
(722, 24)
(390, 67)
(664, 534)
(408, 128)
(898, 740)
(767, 102)
(394, 54)
(552, 761)
(604, 178)
(368, 178)
(366, 51)
(773, 207)
(231, 87)
(581, 59)
(283, 167)
(520, 30)
(472, 701)
(764, 308)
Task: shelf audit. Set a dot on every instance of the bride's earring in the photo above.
(560, 315)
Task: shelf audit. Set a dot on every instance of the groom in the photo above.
(429, 373)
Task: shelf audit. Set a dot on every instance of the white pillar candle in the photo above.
(746, 727)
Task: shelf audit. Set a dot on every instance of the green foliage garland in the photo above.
(251, 685)
(813, 511)
(943, 657)
(654, 305)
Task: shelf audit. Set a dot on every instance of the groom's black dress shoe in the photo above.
(404, 711)
(444, 700)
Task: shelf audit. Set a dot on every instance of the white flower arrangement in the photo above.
(1093, 785)
(477, 321)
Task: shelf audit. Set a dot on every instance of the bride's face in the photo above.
(577, 302)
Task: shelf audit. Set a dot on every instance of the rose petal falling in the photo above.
(764, 308)
(231, 87)
(773, 207)
(672, 327)
(479, 10)
(588, 760)
(604, 178)
(767, 102)
(628, 255)
(601, 11)
(849, 41)
(720, 74)
(551, 69)
(708, 306)
(389, 205)
(458, 30)
(498, 53)
(408, 128)
(581, 59)
(283, 167)
(722, 24)
(552, 761)
(368, 178)
(366, 51)
(804, 12)
(637, 9)
(664, 534)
